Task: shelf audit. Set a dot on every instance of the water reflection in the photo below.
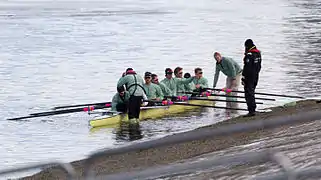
(129, 131)
(303, 38)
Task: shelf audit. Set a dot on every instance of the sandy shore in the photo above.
(173, 153)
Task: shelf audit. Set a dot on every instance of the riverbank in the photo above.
(172, 153)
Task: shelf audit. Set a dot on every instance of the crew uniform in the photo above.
(134, 85)
(120, 100)
(251, 69)
(153, 91)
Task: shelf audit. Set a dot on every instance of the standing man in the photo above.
(232, 70)
(251, 69)
(134, 85)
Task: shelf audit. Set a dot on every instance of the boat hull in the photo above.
(150, 112)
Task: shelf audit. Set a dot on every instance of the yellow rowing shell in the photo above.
(150, 112)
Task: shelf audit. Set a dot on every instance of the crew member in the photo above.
(169, 81)
(233, 71)
(166, 91)
(120, 100)
(134, 85)
(251, 69)
(188, 87)
(199, 81)
(153, 91)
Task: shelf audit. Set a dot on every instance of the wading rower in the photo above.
(134, 85)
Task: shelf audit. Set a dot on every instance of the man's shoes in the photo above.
(250, 114)
(133, 121)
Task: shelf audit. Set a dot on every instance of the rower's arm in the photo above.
(121, 81)
(114, 103)
(204, 84)
(217, 73)
(159, 92)
(184, 80)
(167, 91)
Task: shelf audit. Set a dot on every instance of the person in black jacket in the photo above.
(251, 69)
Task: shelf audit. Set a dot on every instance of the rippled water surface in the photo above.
(71, 52)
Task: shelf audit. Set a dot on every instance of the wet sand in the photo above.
(173, 153)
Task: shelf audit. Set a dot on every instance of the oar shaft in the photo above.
(259, 93)
(217, 107)
(266, 99)
(223, 95)
(78, 105)
(51, 113)
(214, 100)
(197, 105)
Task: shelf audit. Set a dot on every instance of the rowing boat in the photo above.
(150, 112)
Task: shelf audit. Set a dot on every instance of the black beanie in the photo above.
(120, 89)
(248, 43)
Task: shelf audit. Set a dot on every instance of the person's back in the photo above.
(251, 69)
(134, 85)
(252, 64)
(133, 82)
(228, 66)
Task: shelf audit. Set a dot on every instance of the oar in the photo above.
(78, 105)
(258, 93)
(65, 111)
(222, 95)
(205, 99)
(197, 105)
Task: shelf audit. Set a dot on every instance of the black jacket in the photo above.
(252, 64)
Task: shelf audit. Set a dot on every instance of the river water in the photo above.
(71, 52)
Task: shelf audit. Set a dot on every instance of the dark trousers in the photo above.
(121, 107)
(249, 89)
(134, 105)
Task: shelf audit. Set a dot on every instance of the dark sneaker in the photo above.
(249, 114)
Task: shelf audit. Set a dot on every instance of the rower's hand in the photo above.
(157, 99)
(197, 86)
(144, 103)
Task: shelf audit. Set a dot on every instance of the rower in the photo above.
(153, 91)
(169, 81)
(180, 81)
(188, 87)
(177, 82)
(120, 100)
(134, 85)
(199, 81)
(166, 91)
(178, 72)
